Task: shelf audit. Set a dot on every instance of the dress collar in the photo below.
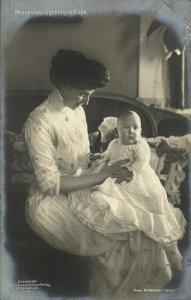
(57, 100)
(135, 143)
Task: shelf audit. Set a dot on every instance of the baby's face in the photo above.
(129, 129)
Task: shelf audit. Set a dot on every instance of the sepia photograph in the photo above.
(95, 149)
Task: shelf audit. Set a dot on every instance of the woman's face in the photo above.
(74, 97)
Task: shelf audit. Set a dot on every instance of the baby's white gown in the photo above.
(141, 204)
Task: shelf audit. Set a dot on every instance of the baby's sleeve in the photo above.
(141, 157)
(106, 156)
(41, 153)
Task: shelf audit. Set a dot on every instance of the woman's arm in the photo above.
(70, 184)
(41, 152)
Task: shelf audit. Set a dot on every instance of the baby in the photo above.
(136, 200)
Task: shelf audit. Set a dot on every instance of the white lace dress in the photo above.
(57, 142)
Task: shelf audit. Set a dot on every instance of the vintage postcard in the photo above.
(84, 85)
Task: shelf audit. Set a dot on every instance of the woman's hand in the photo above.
(96, 167)
(115, 169)
(70, 184)
(124, 174)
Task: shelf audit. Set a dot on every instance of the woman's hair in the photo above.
(74, 69)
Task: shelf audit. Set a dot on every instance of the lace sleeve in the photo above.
(106, 155)
(42, 152)
(141, 156)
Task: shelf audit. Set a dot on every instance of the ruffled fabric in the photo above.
(141, 204)
(127, 212)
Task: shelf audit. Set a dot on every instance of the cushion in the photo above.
(18, 163)
(168, 160)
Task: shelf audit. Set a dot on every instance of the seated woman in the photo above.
(56, 137)
(57, 141)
